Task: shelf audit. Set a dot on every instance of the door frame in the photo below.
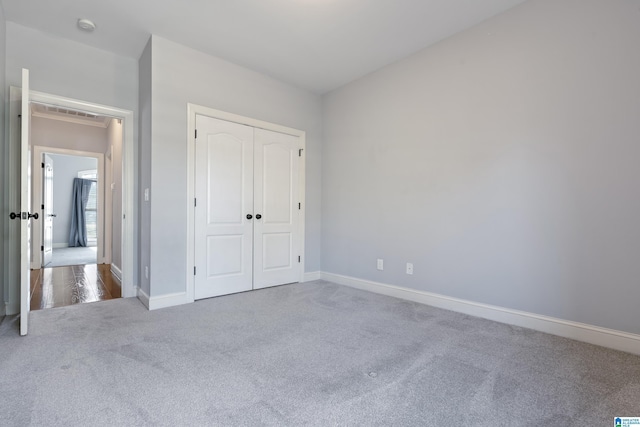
(129, 209)
(104, 236)
(47, 214)
(192, 111)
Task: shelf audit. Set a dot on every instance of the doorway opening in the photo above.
(77, 186)
(70, 207)
(19, 174)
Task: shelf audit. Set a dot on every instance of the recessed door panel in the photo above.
(277, 251)
(222, 256)
(277, 183)
(225, 169)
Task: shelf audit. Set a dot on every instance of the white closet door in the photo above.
(224, 194)
(276, 169)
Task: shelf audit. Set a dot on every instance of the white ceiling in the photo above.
(318, 45)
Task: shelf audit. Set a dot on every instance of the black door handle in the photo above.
(19, 215)
(249, 216)
(258, 216)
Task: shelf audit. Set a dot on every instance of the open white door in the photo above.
(47, 211)
(25, 208)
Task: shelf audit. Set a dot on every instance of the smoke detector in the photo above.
(86, 25)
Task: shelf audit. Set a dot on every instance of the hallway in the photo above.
(76, 284)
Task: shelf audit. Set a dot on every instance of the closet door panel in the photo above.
(276, 169)
(224, 195)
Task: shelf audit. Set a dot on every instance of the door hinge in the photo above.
(42, 248)
(298, 258)
(195, 202)
(299, 206)
(42, 207)
(300, 152)
(194, 270)
(196, 133)
(42, 165)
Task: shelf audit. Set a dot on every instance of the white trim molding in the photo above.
(143, 297)
(312, 275)
(591, 334)
(163, 301)
(115, 270)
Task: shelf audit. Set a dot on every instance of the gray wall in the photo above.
(63, 67)
(144, 167)
(66, 68)
(71, 136)
(181, 75)
(501, 162)
(65, 169)
(114, 141)
(5, 209)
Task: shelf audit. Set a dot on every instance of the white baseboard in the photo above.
(162, 301)
(143, 297)
(610, 338)
(60, 245)
(169, 300)
(311, 276)
(116, 272)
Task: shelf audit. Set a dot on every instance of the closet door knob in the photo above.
(258, 216)
(249, 216)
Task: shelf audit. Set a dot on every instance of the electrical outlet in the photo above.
(380, 264)
(409, 268)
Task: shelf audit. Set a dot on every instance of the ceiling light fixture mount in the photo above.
(86, 25)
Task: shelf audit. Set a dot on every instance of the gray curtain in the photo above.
(80, 197)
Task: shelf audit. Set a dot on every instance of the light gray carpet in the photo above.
(73, 256)
(304, 354)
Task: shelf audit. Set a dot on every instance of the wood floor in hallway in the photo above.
(75, 284)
